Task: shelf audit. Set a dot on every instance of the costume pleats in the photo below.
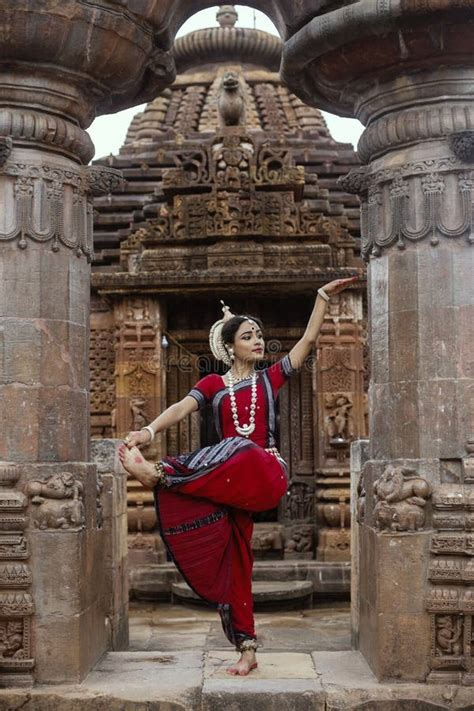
(204, 516)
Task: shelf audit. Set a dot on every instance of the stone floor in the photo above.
(178, 657)
(172, 628)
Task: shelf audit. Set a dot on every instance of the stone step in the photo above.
(196, 680)
(299, 592)
(154, 581)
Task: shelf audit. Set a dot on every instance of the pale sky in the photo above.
(108, 132)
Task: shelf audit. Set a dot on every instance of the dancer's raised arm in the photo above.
(169, 417)
(302, 349)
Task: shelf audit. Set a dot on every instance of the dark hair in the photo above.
(230, 327)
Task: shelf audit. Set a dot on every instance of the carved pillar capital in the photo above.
(331, 62)
(355, 182)
(102, 180)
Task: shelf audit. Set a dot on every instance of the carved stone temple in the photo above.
(229, 191)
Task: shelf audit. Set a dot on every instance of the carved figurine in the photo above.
(301, 540)
(339, 421)
(448, 635)
(230, 101)
(401, 497)
(11, 640)
(58, 486)
(300, 501)
(57, 502)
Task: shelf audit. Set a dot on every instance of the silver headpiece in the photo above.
(218, 349)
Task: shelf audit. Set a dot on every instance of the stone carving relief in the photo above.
(11, 640)
(300, 501)
(401, 496)
(189, 110)
(339, 385)
(138, 353)
(49, 204)
(57, 503)
(299, 542)
(6, 145)
(15, 575)
(462, 145)
(442, 187)
(355, 182)
(339, 422)
(233, 161)
(101, 180)
(16, 602)
(449, 599)
(337, 370)
(468, 463)
(102, 368)
(449, 635)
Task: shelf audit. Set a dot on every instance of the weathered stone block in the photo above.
(70, 645)
(403, 343)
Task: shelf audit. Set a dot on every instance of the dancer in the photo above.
(205, 499)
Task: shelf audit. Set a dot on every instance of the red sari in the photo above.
(204, 511)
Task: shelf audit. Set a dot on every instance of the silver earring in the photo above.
(231, 352)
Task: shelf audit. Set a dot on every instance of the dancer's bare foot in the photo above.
(246, 663)
(135, 464)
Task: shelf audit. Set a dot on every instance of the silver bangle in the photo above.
(150, 431)
(323, 294)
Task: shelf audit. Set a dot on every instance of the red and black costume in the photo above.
(204, 508)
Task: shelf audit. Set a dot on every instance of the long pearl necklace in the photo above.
(244, 430)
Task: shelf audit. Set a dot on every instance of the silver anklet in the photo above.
(159, 475)
(247, 645)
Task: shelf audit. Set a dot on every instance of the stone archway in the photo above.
(406, 70)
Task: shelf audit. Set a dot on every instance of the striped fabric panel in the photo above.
(202, 461)
(198, 396)
(286, 366)
(213, 454)
(197, 523)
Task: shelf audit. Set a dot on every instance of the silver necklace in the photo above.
(244, 430)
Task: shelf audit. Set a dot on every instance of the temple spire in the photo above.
(227, 16)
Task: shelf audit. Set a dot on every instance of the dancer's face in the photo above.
(249, 345)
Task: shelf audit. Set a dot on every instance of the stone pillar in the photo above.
(52, 611)
(359, 456)
(416, 607)
(112, 483)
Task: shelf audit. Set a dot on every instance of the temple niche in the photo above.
(231, 192)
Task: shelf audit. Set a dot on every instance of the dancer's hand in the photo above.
(338, 285)
(138, 438)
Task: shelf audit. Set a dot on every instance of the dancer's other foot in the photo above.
(244, 666)
(135, 464)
